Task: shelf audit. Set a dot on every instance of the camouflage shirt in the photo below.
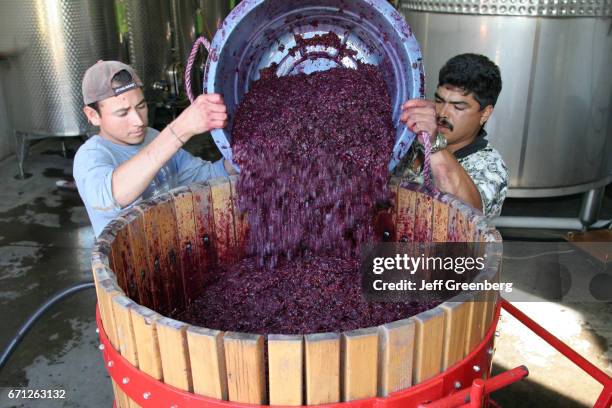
(481, 161)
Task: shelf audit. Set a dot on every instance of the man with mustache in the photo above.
(128, 161)
(463, 163)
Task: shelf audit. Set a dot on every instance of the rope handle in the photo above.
(426, 163)
(188, 69)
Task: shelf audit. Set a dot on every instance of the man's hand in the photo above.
(207, 112)
(420, 116)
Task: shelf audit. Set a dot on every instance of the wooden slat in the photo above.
(144, 322)
(106, 290)
(134, 404)
(223, 214)
(462, 221)
(207, 356)
(169, 252)
(452, 223)
(115, 247)
(125, 330)
(475, 322)
(475, 249)
(121, 399)
(174, 353)
(240, 220)
(102, 273)
(100, 260)
(116, 262)
(424, 215)
(396, 353)
(440, 221)
(406, 214)
(204, 220)
(460, 227)
(154, 258)
(322, 352)
(489, 310)
(285, 369)
(429, 344)
(122, 251)
(117, 403)
(359, 364)
(144, 274)
(186, 243)
(483, 228)
(456, 319)
(492, 273)
(110, 230)
(472, 238)
(125, 335)
(244, 362)
(99, 255)
(132, 214)
(470, 229)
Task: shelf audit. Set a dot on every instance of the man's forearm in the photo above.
(450, 177)
(133, 177)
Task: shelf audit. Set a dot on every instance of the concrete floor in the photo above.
(45, 241)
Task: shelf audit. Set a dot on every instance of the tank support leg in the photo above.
(22, 146)
(591, 206)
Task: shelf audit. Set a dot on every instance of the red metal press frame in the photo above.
(605, 398)
(480, 389)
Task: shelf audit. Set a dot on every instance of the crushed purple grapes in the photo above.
(313, 151)
(310, 295)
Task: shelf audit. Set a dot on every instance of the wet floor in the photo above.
(552, 285)
(45, 241)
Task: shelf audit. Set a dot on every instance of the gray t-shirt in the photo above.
(96, 160)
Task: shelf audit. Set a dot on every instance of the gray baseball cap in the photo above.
(97, 81)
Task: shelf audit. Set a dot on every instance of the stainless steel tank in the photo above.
(160, 34)
(150, 42)
(6, 143)
(192, 19)
(46, 47)
(195, 18)
(553, 121)
(213, 14)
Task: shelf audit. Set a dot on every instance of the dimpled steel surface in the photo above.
(47, 46)
(531, 8)
(259, 33)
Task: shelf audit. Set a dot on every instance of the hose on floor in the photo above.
(23, 330)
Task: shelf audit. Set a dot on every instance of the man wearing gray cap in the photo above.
(128, 161)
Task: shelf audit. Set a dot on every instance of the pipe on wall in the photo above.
(547, 223)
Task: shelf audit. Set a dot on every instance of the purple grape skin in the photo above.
(309, 295)
(313, 151)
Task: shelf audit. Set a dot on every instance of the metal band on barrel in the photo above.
(530, 8)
